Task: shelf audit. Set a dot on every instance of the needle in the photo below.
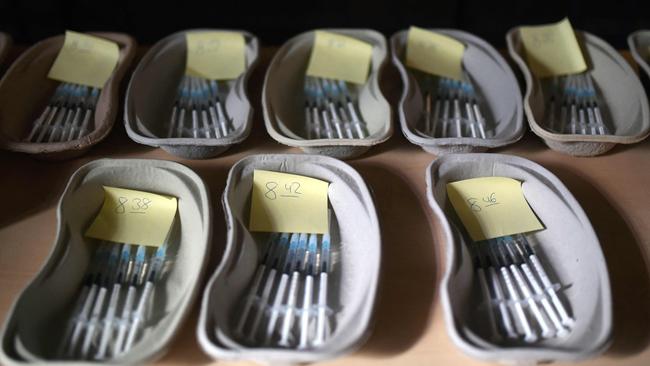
(506, 320)
(309, 268)
(139, 315)
(530, 336)
(140, 265)
(257, 282)
(546, 282)
(84, 303)
(324, 268)
(109, 318)
(91, 103)
(293, 292)
(280, 292)
(519, 257)
(479, 265)
(547, 332)
(358, 124)
(98, 306)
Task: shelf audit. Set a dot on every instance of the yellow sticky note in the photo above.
(85, 60)
(215, 55)
(491, 207)
(335, 56)
(288, 203)
(552, 49)
(134, 217)
(434, 53)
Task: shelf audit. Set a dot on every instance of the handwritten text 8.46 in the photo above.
(477, 205)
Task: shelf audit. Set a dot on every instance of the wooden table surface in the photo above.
(409, 328)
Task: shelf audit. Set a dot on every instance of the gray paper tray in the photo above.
(37, 318)
(25, 91)
(492, 78)
(353, 285)
(624, 103)
(638, 42)
(568, 248)
(152, 92)
(283, 97)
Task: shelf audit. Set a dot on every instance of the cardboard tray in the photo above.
(624, 103)
(638, 42)
(356, 254)
(152, 91)
(32, 329)
(25, 91)
(568, 248)
(283, 98)
(494, 81)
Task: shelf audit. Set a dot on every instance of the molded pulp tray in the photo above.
(638, 42)
(284, 102)
(623, 101)
(152, 93)
(496, 85)
(356, 254)
(568, 248)
(25, 90)
(37, 319)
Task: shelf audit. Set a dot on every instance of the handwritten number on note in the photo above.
(270, 193)
(207, 46)
(336, 43)
(140, 204)
(472, 204)
(85, 59)
(337, 56)
(81, 46)
(291, 190)
(135, 217)
(552, 49)
(120, 209)
(426, 46)
(287, 203)
(136, 205)
(490, 207)
(489, 200)
(434, 53)
(542, 39)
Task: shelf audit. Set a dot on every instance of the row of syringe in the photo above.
(201, 101)
(67, 116)
(499, 261)
(579, 111)
(289, 260)
(330, 111)
(455, 112)
(95, 330)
